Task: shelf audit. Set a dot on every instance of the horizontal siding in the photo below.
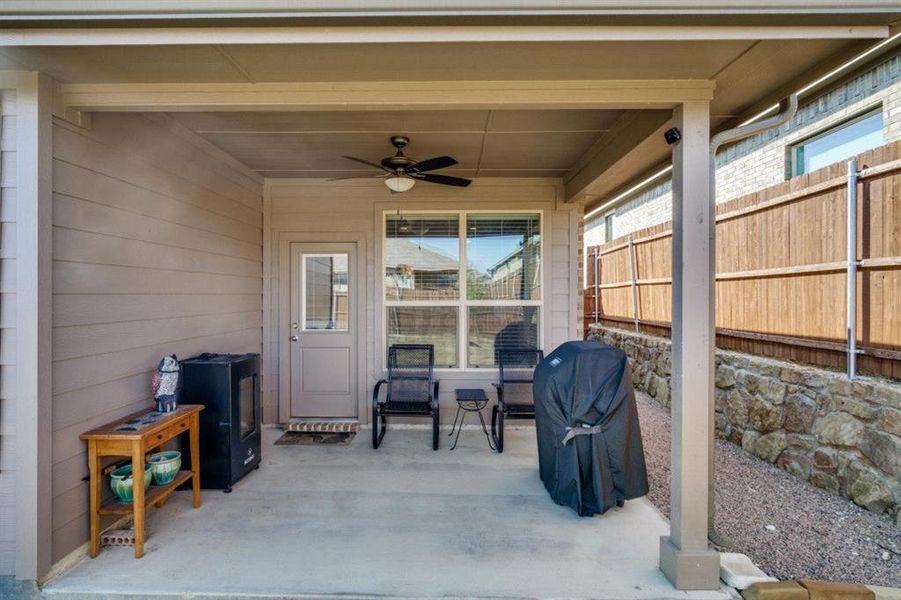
(7, 330)
(157, 248)
(321, 207)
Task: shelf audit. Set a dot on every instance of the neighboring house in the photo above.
(857, 112)
(170, 189)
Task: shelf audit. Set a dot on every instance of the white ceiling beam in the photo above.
(423, 34)
(375, 95)
(616, 146)
(161, 9)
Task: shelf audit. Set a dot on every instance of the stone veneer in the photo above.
(841, 435)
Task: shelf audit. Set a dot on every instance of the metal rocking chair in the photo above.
(508, 407)
(411, 389)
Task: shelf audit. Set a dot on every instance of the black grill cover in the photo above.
(589, 441)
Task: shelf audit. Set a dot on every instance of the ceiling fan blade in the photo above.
(366, 162)
(361, 176)
(430, 164)
(442, 179)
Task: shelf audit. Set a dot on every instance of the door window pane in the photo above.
(325, 292)
(493, 328)
(503, 252)
(422, 257)
(436, 325)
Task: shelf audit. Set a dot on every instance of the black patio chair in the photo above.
(411, 389)
(512, 365)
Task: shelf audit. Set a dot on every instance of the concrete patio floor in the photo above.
(402, 521)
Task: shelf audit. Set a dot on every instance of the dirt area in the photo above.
(788, 527)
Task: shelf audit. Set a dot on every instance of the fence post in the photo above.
(597, 277)
(852, 269)
(633, 279)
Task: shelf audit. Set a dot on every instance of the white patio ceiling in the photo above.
(501, 143)
(595, 152)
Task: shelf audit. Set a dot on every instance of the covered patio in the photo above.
(165, 180)
(333, 521)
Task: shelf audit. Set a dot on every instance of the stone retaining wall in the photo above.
(841, 435)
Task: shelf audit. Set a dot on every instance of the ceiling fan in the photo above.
(402, 172)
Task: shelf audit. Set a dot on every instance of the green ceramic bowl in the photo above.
(122, 483)
(165, 466)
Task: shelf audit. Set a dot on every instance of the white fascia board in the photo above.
(176, 9)
(392, 95)
(422, 34)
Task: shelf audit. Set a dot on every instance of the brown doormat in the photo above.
(296, 438)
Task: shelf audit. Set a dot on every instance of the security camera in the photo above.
(672, 136)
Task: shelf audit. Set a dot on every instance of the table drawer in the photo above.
(171, 431)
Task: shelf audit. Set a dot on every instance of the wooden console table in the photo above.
(134, 436)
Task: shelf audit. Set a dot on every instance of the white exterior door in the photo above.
(323, 335)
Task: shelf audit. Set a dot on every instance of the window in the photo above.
(468, 283)
(324, 280)
(608, 226)
(838, 143)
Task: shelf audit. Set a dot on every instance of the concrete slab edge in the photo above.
(885, 593)
(48, 595)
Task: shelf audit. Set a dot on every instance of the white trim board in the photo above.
(384, 95)
(61, 10)
(424, 34)
(34, 300)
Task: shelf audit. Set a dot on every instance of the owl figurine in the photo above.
(165, 384)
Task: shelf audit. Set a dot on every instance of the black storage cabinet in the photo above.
(228, 385)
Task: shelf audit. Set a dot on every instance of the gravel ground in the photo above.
(789, 528)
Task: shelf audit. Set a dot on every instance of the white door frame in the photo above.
(283, 325)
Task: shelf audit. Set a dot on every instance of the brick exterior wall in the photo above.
(763, 160)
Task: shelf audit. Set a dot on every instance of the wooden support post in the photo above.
(685, 557)
(633, 279)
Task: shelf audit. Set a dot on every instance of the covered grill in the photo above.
(589, 440)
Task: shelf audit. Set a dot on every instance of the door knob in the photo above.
(294, 338)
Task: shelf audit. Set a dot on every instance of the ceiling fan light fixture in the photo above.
(402, 171)
(400, 183)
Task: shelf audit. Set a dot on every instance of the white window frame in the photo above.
(461, 303)
(835, 127)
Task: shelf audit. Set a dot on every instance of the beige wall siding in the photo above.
(157, 245)
(320, 211)
(7, 330)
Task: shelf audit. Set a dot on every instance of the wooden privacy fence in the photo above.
(782, 269)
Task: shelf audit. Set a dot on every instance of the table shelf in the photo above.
(133, 437)
(154, 494)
